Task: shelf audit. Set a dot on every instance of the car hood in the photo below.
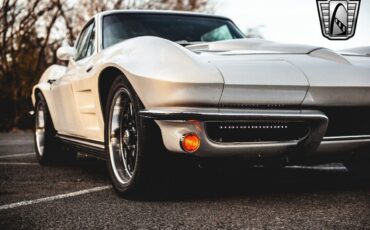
(268, 73)
(250, 46)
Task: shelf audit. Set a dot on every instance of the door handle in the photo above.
(89, 69)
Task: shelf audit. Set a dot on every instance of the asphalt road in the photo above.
(80, 197)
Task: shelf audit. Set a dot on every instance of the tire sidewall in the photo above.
(49, 130)
(130, 186)
(55, 153)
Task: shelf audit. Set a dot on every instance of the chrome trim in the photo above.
(342, 146)
(40, 129)
(173, 131)
(347, 138)
(218, 114)
(92, 148)
(175, 122)
(81, 141)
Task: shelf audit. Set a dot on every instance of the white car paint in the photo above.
(165, 74)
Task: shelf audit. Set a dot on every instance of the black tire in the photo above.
(49, 150)
(359, 166)
(142, 149)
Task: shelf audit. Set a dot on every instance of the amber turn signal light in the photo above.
(190, 142)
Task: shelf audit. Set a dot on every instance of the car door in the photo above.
(64, 89)
(85, 90)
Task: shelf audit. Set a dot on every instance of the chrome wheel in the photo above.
(123, 133)
(40, 128)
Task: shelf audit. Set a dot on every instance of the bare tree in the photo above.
(22, 52)
(32, 30)
(76, 15)
(254, 32)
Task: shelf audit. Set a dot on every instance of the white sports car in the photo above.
(141, 83)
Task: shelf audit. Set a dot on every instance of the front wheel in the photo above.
(132, 144)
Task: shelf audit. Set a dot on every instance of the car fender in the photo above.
(164, 73)
(53, 72)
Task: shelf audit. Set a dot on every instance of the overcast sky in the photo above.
(292, 21)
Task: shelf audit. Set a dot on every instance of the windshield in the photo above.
(177, 28)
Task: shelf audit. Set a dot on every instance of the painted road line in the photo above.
(18, 163)
(17, 155)
(325, 168)
(52, 198)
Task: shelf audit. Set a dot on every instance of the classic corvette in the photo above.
(141, 83)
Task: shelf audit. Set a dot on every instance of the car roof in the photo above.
(169, 12)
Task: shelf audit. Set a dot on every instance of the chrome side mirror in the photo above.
(65, 53)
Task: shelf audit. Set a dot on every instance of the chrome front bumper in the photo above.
(176, 122)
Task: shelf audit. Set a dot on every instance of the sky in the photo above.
(291, 21)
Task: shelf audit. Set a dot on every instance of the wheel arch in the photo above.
(44, 94)
(44, 90)
(105, 80)
(37, 91)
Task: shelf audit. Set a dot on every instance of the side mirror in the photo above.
(65, 53)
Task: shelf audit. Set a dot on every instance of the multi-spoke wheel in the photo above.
(49, 151)
(131, 142)
(123, 136)
(40, 128)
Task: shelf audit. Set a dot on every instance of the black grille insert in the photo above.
(256, 131)
(347, 121)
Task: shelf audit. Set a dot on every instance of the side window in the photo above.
(219, 34)
(86, 46)
(91, 45)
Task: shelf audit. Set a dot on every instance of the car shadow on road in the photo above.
(192, 183)
(259, 181)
